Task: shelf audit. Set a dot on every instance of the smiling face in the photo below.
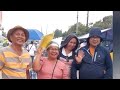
(94, 41)
(71, 45)
(53, 52)
(18, 37)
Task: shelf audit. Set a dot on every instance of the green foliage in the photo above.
(4, 34)
(58, 33)
(105, 23)
(82, 29)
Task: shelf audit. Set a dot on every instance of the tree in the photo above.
(58, 33)
(4, 34)
(105, 23)
(82, 29)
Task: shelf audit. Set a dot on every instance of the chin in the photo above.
(54, 57)
(20, 44)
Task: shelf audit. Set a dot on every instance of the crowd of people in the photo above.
(61, 62)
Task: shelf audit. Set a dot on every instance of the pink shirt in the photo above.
(60, 71)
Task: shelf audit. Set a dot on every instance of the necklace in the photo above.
(54, 69)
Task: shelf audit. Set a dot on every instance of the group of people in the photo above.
(62, 62)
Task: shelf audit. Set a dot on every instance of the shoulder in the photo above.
(25, 50)
(103, 49)
(4, 49)
(60, 63)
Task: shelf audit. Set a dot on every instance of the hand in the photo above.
(80, 56)
(40, 51)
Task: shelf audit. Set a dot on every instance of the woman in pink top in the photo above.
(50, 67)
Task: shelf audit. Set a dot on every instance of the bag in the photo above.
(30, 48)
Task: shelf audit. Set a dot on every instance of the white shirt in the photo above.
(32, 49)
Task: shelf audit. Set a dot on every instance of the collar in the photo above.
(64, 53)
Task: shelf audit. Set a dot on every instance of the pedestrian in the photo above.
(93, 61)
(31, 48)
(67, 50)
(14, 59)
(50, 67)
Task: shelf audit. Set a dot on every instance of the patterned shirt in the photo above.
(12, 65)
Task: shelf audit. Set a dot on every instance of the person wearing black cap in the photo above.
(67, 50)
(93, 61)
(14, 59)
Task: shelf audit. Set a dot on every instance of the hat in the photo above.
(52, 43)
(96, 31)
(12, 30)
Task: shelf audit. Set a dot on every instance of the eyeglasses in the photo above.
(53, 49)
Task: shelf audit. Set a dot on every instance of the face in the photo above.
(53, 52)
(72, 43)
(18, 37)
(94, 41)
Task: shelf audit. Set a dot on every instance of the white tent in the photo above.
(87, 35)
(58, 40)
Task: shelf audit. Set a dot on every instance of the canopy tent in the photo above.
(107, 34)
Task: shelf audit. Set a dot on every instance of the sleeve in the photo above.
(109, 67)
(2, 60)
(73, 71)
(29, 66)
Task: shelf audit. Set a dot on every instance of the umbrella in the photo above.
(35, 34)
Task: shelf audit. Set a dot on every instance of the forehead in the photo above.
(95, 36)
(73, 39)
(18, 30)
(53, 47)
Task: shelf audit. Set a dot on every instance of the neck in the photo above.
(52, 59)
(92, 47)
(17, 49)
(67, 50)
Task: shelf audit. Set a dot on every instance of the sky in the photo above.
(49, 21)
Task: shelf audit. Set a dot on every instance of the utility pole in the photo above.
(46, 29)
(77, 24)
(41, 28)
(87, 19)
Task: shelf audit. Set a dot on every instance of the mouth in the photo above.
(54, 54)
(20, 40)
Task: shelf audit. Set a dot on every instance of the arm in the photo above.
(109, 67)
(36, 63)
(73, 71)
(2, 60)
(76, 64)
